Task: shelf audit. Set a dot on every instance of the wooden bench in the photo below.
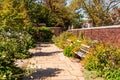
(83, 51)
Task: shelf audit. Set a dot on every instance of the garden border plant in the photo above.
(14, 44)
(103, 58)
(70, 43)
(41, 34)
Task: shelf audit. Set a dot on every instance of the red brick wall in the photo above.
(57, 30)
(106, 34)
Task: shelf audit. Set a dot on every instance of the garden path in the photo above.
(50, 64)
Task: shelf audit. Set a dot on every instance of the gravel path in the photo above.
(50, 64)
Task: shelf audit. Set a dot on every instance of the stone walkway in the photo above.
(50, 64)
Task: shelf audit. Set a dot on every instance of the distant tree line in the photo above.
(101, 12)
(57, 13)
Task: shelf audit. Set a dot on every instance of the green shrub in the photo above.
(106, 60)
(68, 39)
(67, 51)
(16, 43)
(61, 41)
(42, 34)
(13, 44)
(8, 70)
(45, 34)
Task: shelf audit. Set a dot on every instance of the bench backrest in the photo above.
(84, 48)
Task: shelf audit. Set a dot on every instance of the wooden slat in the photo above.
(80, 54)
(85, 45)
(84, 50)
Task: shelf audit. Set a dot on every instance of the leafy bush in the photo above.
(67, 51)
(8, 70)
(106, 60)
(61, 41)
(70, 43)
(43, 34)
(15, 43)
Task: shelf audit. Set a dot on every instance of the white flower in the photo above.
(31, 77)
(3, 56)
(68, 40)
(95, 41)
(4, 76)
(20, 33)
(8, 33)
(78, 41)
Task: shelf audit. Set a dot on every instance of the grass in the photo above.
(92, 75)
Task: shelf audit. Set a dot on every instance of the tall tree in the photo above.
(59, 11)
(39, 13)
(77, 12)
(99, 11)
(13, 13)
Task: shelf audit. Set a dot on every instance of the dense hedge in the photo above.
(8, 70)
(41, 34)
(13, 44)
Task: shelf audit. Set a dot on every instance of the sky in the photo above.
(68, 2)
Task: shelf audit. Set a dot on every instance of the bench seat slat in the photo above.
(86, 51)
(80, 54)
(85, 45)
(83, 50)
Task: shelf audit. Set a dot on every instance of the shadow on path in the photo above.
(42, 74)
(46, 53)
(43, 44)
